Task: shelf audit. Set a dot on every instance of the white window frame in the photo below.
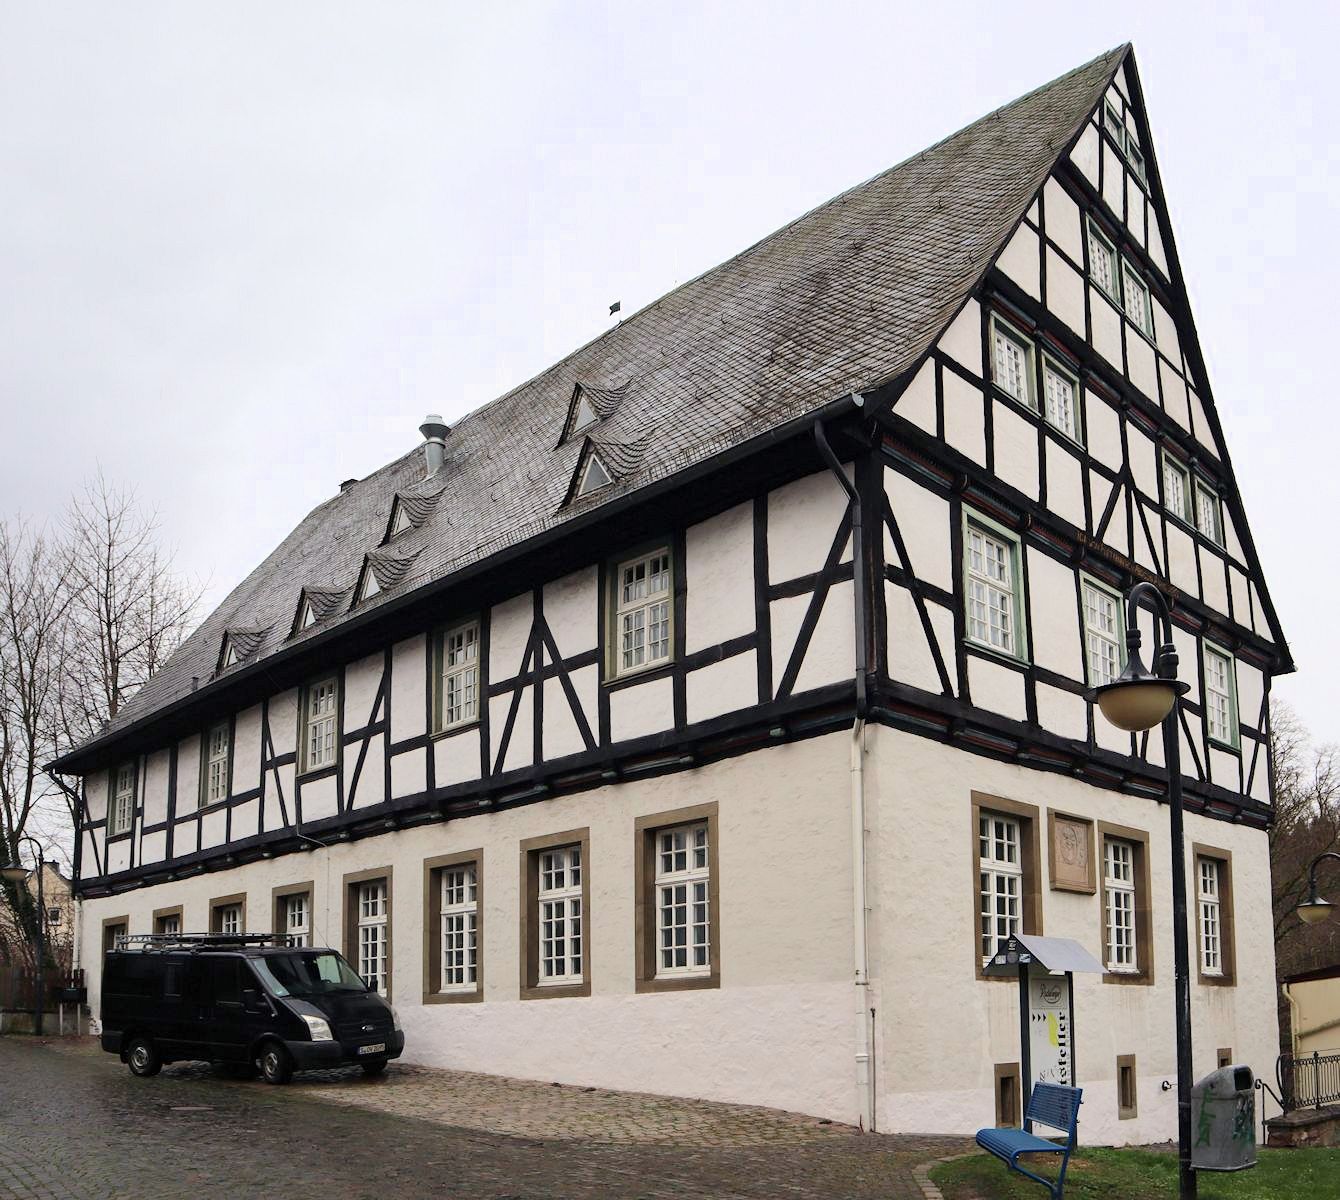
(228, 917)
(322, 723)
(981, 587)
(1221, 696)
(458, 676)
(169, 925)
(1121, 932)
(1104, 643)
(1172, 464)
(1000, 869)
(1142, 315)
(372, 929)
(1074, 430)
(297, 911)
(400, 520)
(560, 944)
(458, 913)
(683, 898)
(643, 613)
(216, 748)
(1210, 914)
(595, 475)
(1109, 251)
(121, 810)
(1209, 513)
(1002, 330)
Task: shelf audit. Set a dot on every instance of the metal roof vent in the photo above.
(434, 430)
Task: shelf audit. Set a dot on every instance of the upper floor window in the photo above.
(1103, 262)
(122, 809)
(1001, 874)
(992, 588)
(1209, 516)
(1125, 140)
(1060, 394)
(1102, 633)
(1135, 299)
(1119, 905)
(320, 702)
(216, 763)
(1221, 719)
(1012, 362)
(1176, 488)
(456, 699)
(643, 598)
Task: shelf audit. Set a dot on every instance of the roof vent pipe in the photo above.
(434, 430)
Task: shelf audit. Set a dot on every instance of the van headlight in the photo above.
(318, 1028)
(395, 1019)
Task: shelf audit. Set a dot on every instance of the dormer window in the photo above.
(368, 588)
(584, 414)
(594, 477)
(307, 617)
(400, 520)
(230, 658)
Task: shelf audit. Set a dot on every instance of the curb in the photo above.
(922, 1174)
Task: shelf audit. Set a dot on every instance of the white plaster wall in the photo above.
(1016, 447)
(937, 1078)
(965, 428)
(1019, 260)
(643, 709)
(962, 341)
(156, 770)
(1062, 220)
(803, 519)
(722, 687)
(1065, 291)
(246, 752)
(777, 1032)
(409, 716)
(923, 521)
(719, 574)
(571, 606)
(361, 681)
(917, 402)
(509, 631)
(283, 715)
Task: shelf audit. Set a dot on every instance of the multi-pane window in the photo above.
(1059, 400)
(1103, 262)
(169, 925)
(1135, 299)
(560, 915)
(1220, 718)
(459, 684)
(683, 928)
(1209, 906)
(1000, 868)
(642, 611)
(372, 933)
(1012, 362)
(1209, 519)
(216, 764)
(123, 800)
(1102, 633)
(320, 704)
(228, 918)
(1125, 140)
(1119, 903)
(991, 589)
(298, 919)
(1176, 489)
(459, 912)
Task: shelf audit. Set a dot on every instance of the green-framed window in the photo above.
(993, 586)
(456, 676)
(1104, 643)
(1060, 399)
(1135, 299)
(1103, 262)
(1012, 368)
(319, 746)
(1221, 696)
(641, 612)
(1209, 512)
(216, 747)
(1176, 488)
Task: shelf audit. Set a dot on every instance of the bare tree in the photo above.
(1307, 823)
(34, 603)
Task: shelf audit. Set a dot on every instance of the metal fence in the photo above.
(1309, 1080)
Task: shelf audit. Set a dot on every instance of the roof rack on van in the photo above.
(197, 941)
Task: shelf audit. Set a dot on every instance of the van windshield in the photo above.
(307, 974)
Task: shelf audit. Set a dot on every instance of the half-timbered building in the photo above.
(698, 716)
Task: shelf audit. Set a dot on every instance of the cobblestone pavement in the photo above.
(75, 1124)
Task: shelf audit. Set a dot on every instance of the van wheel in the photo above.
(275, 1063)
(374, 1066)
(142, 1057)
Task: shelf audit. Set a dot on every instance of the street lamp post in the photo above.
(1315, 909)
(14, 873)
(1136, 701)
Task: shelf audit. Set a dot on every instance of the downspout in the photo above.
(865, 1073)
(1293, 1019)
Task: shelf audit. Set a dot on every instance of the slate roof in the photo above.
(842, 299)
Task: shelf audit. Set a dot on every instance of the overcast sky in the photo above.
(245, 247)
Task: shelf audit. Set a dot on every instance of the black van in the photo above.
(244, 1003)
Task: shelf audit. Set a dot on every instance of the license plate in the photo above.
(377, 1048)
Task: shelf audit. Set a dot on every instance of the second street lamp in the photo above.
(1137, 700)
(1315, 908)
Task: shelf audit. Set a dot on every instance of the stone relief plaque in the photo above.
(1071, 854)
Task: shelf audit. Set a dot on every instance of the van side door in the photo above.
(227, 1027)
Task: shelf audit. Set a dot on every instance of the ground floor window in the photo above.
(556, 915)
(367, 932)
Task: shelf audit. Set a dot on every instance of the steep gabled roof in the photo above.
(842, 299)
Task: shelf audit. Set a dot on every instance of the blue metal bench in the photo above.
(1052, 1105)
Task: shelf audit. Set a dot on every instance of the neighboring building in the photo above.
(1314, 1009)
(58, 899)
(609, 735)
